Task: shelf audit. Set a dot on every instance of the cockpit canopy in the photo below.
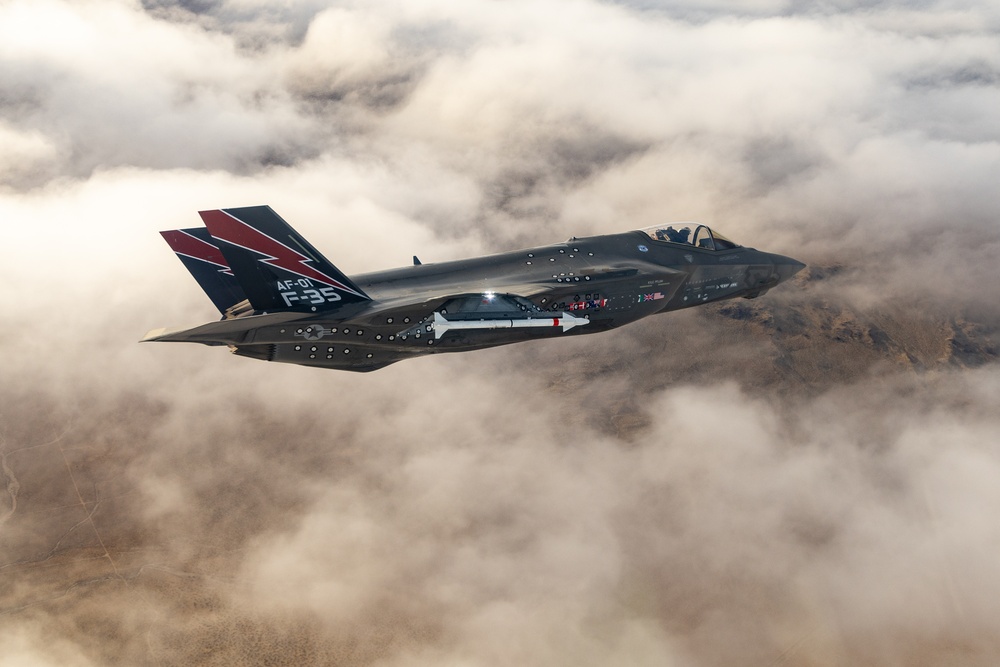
(680, 232)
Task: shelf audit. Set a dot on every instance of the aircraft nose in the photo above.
(786, 267)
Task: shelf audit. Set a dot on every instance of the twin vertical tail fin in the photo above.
(277, 268)
(197, 251)
(251, 254)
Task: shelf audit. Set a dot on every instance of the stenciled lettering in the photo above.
(295, 292)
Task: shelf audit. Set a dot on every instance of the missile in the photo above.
(564, 320)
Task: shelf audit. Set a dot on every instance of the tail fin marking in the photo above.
(207, 265)
(275, 265)
(195, 243)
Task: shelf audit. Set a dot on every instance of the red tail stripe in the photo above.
(226, 227)
(185, 244)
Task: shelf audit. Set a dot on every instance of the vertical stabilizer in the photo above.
(275, 266)
(203, 259)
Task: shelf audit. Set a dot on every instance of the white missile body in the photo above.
(564, 320)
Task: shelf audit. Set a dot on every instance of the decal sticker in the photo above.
(643, 248)
(725, 282)
(303, 291)
(587, 305)
(655, 296)
(313, 332)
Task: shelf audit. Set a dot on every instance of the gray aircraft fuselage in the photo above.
(582, 286)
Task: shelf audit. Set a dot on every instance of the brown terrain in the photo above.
(797, 341)
(92, 571)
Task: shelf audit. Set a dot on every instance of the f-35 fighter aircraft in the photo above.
(281, 300)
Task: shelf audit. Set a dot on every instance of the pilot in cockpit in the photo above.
(678, 236)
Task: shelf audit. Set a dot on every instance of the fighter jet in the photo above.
(281, 300)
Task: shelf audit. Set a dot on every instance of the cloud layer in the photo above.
(806, 479)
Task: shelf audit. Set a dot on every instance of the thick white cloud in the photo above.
(110, 87)
(497, 507)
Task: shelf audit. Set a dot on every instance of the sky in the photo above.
(653, 495)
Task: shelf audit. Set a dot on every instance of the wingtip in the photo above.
(153, 335)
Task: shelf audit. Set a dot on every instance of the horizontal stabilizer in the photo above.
(224, 332)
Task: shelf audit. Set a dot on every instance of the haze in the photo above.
(811, 478)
